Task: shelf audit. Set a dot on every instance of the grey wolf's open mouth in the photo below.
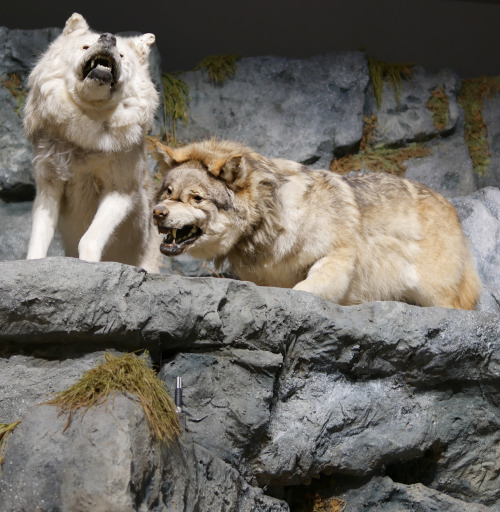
(102, 67)
(177, 240)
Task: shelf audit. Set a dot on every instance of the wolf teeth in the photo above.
(174, 233)
(102, 58)
(193, 230)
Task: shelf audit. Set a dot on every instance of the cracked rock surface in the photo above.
(281, 389)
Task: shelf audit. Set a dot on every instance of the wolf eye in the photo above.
(169, 191)
(85, 47)
(198, 199)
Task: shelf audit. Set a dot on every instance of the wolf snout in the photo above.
(160, 212)
(107, 39)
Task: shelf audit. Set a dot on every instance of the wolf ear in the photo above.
(75, 22)
(142, 45)
(164, 156)
(234, 171)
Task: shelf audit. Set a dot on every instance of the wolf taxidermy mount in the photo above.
(91, 102)
(348, 239)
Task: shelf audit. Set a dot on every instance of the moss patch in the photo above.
(471, 98)
(391, 73)
(219, 67)
(5, 430)
(127, 373)
(439, 105)
(13, 84)
(175, 104)
(378, 157)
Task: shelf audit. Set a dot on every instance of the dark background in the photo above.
(459, 34)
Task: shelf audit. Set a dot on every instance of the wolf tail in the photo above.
(469, 288)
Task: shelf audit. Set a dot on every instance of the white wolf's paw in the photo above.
(304, 286)
(88, 250)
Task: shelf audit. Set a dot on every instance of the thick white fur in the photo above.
(89, 142)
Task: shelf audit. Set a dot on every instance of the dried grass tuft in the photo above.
(176, 100)
(5, 430)
(393, 74)
(378, 158)
(219, 67)
(127, 373)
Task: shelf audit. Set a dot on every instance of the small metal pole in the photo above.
(178, 401)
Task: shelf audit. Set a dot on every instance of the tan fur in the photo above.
(90, 105)
(347, 239)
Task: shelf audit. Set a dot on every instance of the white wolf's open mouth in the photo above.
(177, 240)
(102, 67)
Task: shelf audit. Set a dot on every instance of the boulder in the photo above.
(212, 399)
(301, 109)
(106, 459)
(480, 217)
(491, 117)
(404, 116)
(395, 497)
(40, 378)
(19, 49)
(448, 168)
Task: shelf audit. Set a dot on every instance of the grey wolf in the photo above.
(90, 104)
(347, 239)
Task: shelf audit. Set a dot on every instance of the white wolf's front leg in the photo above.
(45, 215)
(330, 277)
(113, 209)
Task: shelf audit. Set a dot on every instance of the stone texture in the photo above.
(16, 174)
(280, 386)
(99, 463)
(410, 119)
(28, 380)
(480, 216)
(212, 400)
(15, 229)
(108, 461)
(19, 49)
(300, 109)
(491, 116)
(448, 169)
(196, 480)
(384, 494)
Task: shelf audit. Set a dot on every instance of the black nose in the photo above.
(160, 212)
(107, 39)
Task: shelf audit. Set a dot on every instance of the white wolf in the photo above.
(91, 102)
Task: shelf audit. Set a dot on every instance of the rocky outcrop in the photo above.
(287, 397)
(404, 116)
(270, 103)
(111, 463)
(281, 388)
